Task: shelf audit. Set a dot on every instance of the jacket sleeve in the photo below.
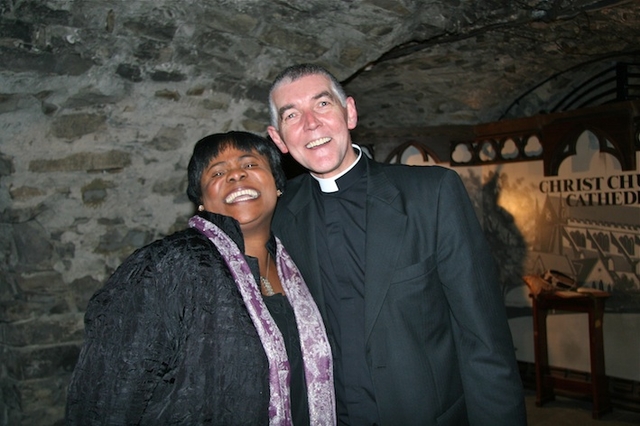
(491, 380)
(125, 353)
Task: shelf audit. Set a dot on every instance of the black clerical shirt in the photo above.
(341, 249)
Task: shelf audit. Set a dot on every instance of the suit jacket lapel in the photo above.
(304, 222)
(386, 215)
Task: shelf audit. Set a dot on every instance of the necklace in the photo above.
(268, 289)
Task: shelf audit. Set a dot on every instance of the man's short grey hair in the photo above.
(295, 72)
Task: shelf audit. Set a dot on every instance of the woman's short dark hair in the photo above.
(211, 146)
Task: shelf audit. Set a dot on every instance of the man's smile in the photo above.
(317, 142)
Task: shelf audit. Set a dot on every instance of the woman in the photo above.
(211, 324)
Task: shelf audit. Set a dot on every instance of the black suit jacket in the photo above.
(438, 344)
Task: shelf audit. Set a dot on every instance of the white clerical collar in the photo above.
(329, 184)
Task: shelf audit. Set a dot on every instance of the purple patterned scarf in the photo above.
(316, 352)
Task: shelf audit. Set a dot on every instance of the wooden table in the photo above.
(597, 387)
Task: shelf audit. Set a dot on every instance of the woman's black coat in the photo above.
(168, 340)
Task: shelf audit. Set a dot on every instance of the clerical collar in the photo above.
(331, 184)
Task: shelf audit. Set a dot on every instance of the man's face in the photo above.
(314, 126)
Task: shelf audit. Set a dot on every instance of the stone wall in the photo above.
(102, 102)
(92, 167)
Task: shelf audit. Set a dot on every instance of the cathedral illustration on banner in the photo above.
(558, 197)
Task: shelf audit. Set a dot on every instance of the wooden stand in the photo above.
(597, 388)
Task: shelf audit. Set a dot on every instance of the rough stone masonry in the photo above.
(101, 103)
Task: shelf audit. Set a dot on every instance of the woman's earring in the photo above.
(200, 208)
(278, 193)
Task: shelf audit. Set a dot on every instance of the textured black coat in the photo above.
(168, 340)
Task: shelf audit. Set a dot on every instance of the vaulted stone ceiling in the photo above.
(407, 62)
(489, 55)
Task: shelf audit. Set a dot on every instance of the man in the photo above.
(397, 262)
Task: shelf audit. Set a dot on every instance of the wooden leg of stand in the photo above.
(544, 390)
(599, 381)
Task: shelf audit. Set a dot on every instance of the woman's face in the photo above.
(240, 184)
